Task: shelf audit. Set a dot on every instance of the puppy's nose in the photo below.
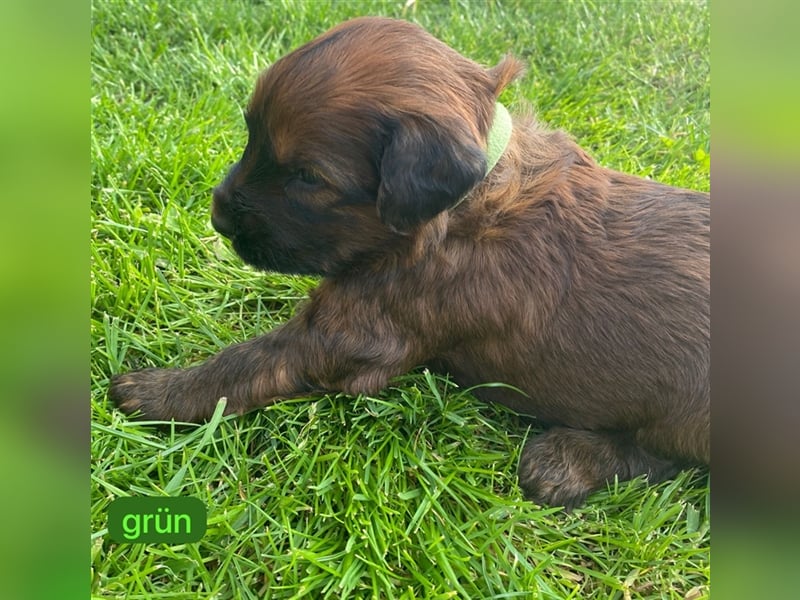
(218, 219)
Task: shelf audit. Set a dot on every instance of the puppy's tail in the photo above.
(506, 71)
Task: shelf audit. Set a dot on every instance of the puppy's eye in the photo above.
(305, 176)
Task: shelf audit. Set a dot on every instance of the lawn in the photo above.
(411, 493)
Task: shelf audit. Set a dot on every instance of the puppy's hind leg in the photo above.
(561, 466)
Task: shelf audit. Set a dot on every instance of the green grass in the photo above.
(411, 493)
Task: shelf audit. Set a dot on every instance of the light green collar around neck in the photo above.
(498, 137)
(496, 140)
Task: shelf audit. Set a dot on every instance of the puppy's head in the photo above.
(356, 141)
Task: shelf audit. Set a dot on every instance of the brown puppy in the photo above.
(586, 289)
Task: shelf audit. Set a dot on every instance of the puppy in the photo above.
(449, 235)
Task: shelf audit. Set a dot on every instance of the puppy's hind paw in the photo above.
(562, 466)
(549, 481)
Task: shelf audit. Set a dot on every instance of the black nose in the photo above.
(219, 220)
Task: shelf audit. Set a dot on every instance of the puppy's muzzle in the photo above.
(219, 220)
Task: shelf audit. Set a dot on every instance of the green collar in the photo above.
(496, 140)
(498, 137)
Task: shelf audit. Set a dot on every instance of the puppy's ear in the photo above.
(426, 168)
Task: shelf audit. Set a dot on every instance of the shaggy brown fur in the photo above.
(585, 288)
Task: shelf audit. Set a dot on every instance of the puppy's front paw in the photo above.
(157, 394)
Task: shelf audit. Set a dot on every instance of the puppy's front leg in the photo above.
(338, 343)
(250, 374)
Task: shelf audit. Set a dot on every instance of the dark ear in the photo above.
(426, 168)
